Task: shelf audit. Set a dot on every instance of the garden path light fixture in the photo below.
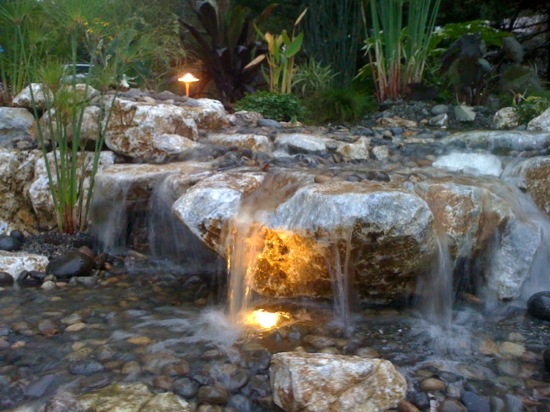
(187, 78)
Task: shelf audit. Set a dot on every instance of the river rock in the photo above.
(322, 382)
(538, 305)
(131, 398)
(500, 142)
(69, 264)
(10, 243)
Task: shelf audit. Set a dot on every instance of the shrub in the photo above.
(339, 105)
(531, 107)
(281, 107)
(312, 77)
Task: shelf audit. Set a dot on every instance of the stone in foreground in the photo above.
(323, 382)
(131, 398)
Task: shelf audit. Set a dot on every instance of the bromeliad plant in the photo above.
(397, 53)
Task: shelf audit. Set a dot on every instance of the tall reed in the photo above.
(397, 53)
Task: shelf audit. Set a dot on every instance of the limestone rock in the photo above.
(16, 262)
(358, 150)
(302, 143)
(131, 398)
(134, 126)
(16, 122)
(40, 95)
(242, 141)
(321, 224)
(208, 114)
(533, 176)
(506, 118)
(207, 207)
(247, 118)
(541, 122)
(16, 174)
(323, 382)
(88, 129)
(39, 190)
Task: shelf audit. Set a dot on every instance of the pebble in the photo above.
(432, 385)
(186, 387)
(139, 340)
(75, 327)
(511, 348)
(451, 405)
(85, 367)
(213, 394)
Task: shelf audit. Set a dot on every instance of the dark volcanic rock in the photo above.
(72, 263)
(538, 305)
(5, 279)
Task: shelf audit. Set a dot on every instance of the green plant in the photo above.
(276, 106)
(20, 35)
(339, 105)
(226, 46)
(334, 34)
(281, 50)
(312, 77)
(397, 54)
(530, 107)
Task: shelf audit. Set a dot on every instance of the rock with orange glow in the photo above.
(323, 382)
(381, 237)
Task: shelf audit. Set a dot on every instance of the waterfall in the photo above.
(171, 243)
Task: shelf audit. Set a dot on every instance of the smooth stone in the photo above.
(131, 367)
(163, 382)
(538, 305)
(432, 385)
(72, 263)
(474, 402)
(10, 243)
(214, 394)
(85, 367)
(451, 405)
(6, 279)
(186, 387)
(404, 406)
(28, 279)
(511, 348)
(95, 381)
(440, 109)
(75, 327)
(268, 123)
(38, 387)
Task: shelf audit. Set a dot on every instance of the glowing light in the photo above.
(265, 320)
(187, 78)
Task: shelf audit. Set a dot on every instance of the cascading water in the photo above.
(246, 238)
(171, 243)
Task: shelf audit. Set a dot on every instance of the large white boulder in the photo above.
(334, 383)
